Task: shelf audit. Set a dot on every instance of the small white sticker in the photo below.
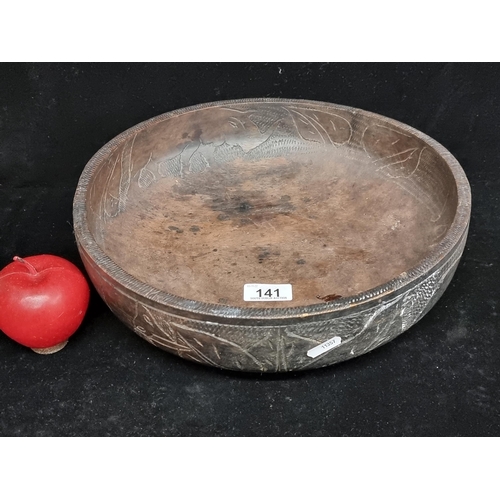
(324, 347)
(266, 292)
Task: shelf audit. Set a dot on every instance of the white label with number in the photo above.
(265, 292)
(324, 347)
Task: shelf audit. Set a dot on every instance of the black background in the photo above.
(439, 378)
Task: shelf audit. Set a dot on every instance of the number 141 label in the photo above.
(261, 292)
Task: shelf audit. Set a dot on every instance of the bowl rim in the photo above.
(208, 311)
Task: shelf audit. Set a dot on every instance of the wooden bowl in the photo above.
(271, 235)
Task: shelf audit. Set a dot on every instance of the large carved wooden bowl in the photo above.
(363, 217)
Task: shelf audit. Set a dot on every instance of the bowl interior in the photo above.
(328, 199)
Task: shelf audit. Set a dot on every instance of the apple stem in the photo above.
(30, 267)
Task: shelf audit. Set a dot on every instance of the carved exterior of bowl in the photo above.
(273, 340)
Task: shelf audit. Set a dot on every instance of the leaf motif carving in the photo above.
(109, 201)
(265, 118)
(198, 163)
(227, 152)
(146, 177)
(127, 165)
(171, 167)
(321, 126)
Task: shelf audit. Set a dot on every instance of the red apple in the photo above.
(43, 300)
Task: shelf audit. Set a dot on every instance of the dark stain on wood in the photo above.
(329, 298)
